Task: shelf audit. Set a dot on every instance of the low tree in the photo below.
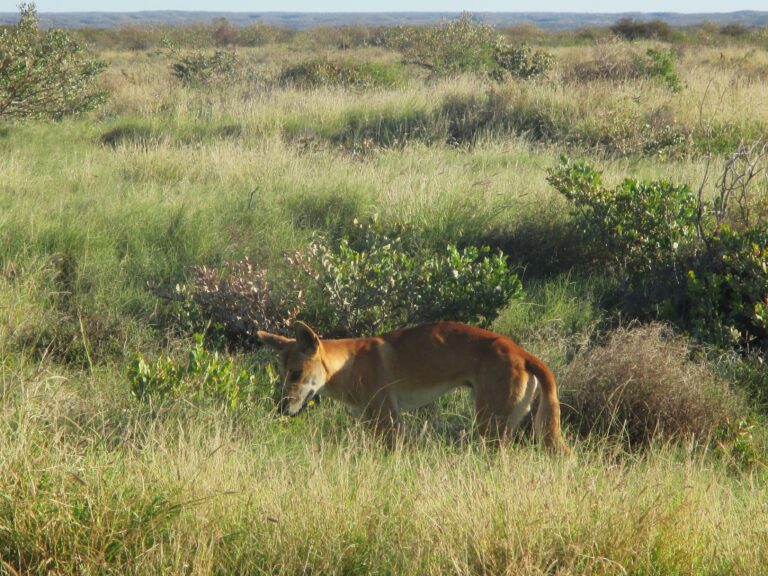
(45, 74)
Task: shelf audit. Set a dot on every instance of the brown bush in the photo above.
(613, 60)
(241, 299)
(643, 383)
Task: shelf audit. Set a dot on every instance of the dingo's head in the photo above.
(301, 367)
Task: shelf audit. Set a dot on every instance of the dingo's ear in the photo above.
(274, 340)
(306, 338)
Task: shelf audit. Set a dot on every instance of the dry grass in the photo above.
(643, 384)
(611, 59)
(94, 483)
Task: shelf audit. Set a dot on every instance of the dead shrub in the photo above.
(240, 299)
(613, 60)
(644, 383)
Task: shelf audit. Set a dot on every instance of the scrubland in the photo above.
(104, 215)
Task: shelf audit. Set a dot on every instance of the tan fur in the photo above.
(404, 369)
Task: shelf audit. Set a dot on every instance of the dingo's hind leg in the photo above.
(521, 409)
(503, 397)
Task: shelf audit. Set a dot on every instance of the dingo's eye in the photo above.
(294, 375)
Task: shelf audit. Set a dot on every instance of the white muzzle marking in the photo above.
(308, 391)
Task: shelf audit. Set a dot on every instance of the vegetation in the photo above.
(377, 282)
(205, 376)
(463, 45)
(607, 393)
(44, 75)
(609, 215)
(202, 69)
(702, 260)
(361, 75)
(631, 29)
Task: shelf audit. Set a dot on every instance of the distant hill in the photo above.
(299, 20)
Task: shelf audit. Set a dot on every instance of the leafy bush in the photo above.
(206, 376)
(727, 284)
(360, 75)
(521, 62)
(463, 45)
(660, 64)
(743, 443)
(750, 372)
(45, 75)
(367, 283)
(642, 383)
(201, 69)
(376, 282)
(453, 46)
(728, 289)
(641, 225)
(702, 263)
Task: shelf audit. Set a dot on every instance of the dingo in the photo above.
(402, 370)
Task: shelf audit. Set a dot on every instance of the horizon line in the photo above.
(385, 12)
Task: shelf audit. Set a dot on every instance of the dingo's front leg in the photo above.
(384, 417)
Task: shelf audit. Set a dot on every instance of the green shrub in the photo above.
(205, 376)
(463, 45)
(728, 288)
(45, 75)
(638, 30)
(521, 62)
(743, 443)
(727, 283)
(375, 282)
(641, 225)
(699, 262)
(660, 64)
(359, 75)
(458, 45)
(750, 373)
(201, 69)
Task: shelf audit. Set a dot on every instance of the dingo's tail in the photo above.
(547, 422)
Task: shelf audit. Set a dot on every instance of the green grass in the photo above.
(167, 177)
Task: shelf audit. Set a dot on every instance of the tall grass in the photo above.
(93, 482)
(166, 177)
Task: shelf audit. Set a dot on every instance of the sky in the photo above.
(394, 5)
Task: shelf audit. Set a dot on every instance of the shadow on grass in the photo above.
(147, 135)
